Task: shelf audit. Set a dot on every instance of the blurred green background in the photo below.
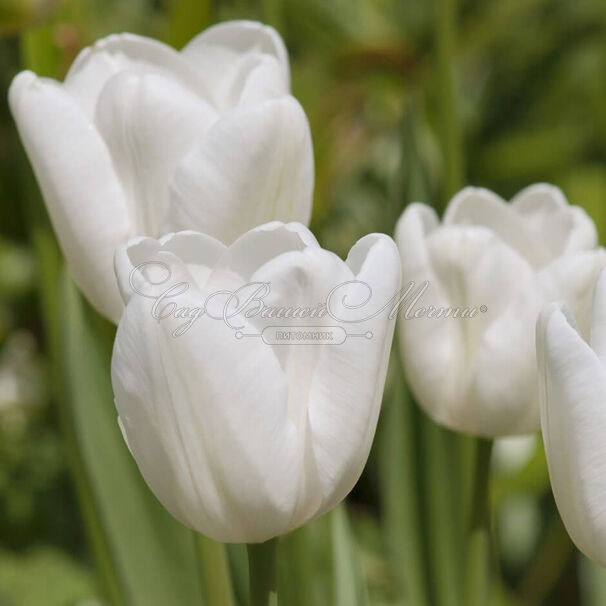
(407, 100)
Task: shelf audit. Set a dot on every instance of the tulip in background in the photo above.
(478, 375)
(141, 139)
(572, 365)
(241, 440)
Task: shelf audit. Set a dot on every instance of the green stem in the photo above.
(262, 573)
(479, 554)
(214, 571)
(444, 516)
(447, 453)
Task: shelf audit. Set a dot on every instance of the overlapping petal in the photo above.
(148, 123)
(251, 167)
(225, 53)
(96, 64)
(563, 228)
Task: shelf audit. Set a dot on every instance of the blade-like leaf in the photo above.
(295, 569)
(400, 481)
(349, 586)
(153, 554)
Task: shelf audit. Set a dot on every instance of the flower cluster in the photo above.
(180, 185)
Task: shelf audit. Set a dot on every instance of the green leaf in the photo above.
(295, 569)
(400, 482)
(153, 555)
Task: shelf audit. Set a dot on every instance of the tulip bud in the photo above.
(245, 419)
(493, 265)
(572, 369)
(141, 139)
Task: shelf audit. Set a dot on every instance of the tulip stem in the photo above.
(262, 573)
(214, 571)
(479, 552)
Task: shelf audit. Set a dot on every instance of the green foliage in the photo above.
(45, 576)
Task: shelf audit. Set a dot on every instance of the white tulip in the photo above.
(505, 261)
(141, 139)
(239, 439)
(572, 365)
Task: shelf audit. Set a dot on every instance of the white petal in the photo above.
(537, 201)
(505, 366)
(259, 246)
(96, 64)
(598, 321)
(241, 36)
(199, 252)
(143, 264)
(263, 81)
(481, 207)
(565, 229)
(206, 419)
(505, 362)
(573, 418)
(347, 387)
(254, 166)
(81, 190)
(335, 390)
(430, 347)
(572, 279)
(225, 53)
(149, 122)
(475, 269)
(301, 275)
(302, 278)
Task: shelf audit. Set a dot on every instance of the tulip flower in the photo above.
(572, 365)
(244, 435)
(141, 139)
(490, 267)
